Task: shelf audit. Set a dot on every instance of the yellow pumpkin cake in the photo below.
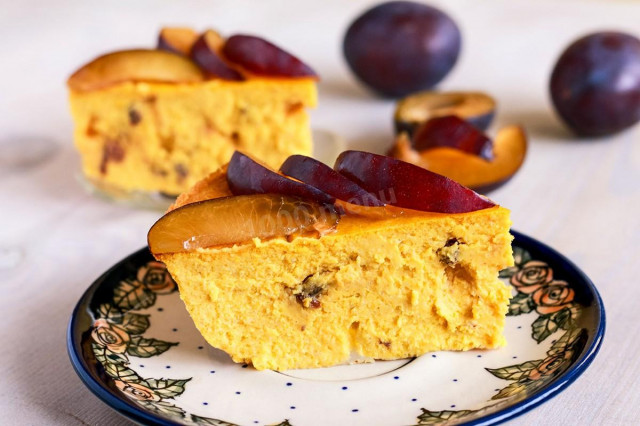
(160, 120)
(380, 281)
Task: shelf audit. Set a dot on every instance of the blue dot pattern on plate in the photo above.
(347, 409)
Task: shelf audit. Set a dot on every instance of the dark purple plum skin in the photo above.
(245, 177)
(211, 63)
(595, 85)
(480, 122)
(261, 57)
(401, 47)
(453, 132)
(406, 185)
(323, 177)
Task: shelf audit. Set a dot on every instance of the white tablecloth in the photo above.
(581, 197)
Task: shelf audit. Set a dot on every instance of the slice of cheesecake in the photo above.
(382, 282)
(157, 120)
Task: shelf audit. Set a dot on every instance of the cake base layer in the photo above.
(386, 289)
(166, 137)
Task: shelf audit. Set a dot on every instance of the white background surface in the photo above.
(581, 197)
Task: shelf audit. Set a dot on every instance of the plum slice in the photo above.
(234, 220)
(509, 149)
(206, 53)
(405, 185)
(260, 57)
(453, 132)
(177, 40)
(475, 107)
(134, 65)
(323, 177)
(247, 176)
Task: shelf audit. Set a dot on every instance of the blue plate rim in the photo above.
(133, 412)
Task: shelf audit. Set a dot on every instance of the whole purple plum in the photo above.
(595, 85)
(400, 47)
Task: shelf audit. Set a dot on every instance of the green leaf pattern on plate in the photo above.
(132, 295)
(117, 333)
(145, 348)
(135, 323)
(209, 421)
(436, 417)
(553, 301)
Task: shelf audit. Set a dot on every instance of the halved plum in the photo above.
(323, 177)
(177, 40)
(247, 176)
(206, 53)
(453, 132)
(509, 149)
(238, 219)
(405, 185)
(475, 107)
(260, 57)
(136, 66)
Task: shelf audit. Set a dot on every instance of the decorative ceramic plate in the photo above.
(133, 344)
(326, 148)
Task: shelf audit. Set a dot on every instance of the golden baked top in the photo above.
(245, 200)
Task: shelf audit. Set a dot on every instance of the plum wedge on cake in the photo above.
(303, 267)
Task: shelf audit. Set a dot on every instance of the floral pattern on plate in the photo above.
(553, 300)
(117, 332)
(120, 322)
